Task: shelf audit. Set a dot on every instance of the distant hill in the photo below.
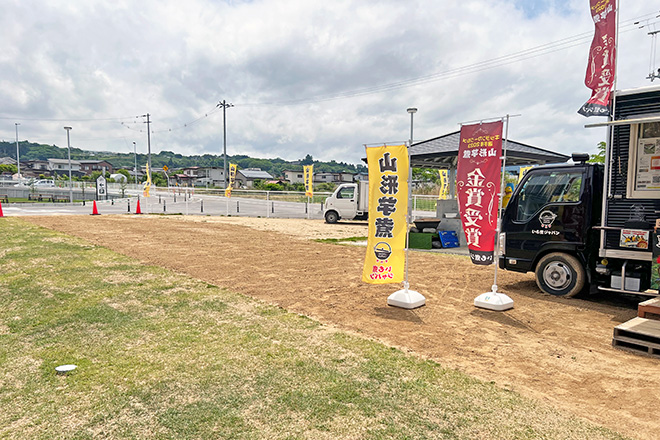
(33, 151)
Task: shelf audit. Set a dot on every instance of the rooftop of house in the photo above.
(252, 174)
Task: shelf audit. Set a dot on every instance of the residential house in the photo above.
(61, 167)
(293, 176)
(205, 176)
(245, 178)
(89, 166)
(7, 161)
(327, 177)
(35, 168)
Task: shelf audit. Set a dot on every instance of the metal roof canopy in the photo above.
(442, 153)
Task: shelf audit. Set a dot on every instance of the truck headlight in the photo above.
(502, 244)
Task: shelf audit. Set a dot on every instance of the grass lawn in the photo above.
(162, 355)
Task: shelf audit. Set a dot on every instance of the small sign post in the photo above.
(101, 188)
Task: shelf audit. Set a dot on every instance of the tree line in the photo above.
(275, 167)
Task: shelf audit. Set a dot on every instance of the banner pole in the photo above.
(406, 284)
(499, 209)
(494, 300)
(405, 298)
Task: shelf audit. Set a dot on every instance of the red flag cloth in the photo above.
(478, 186)
(600, 68)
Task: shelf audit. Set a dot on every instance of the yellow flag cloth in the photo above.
(444, 184)
(232, 178)
(521, 172)
(309, 180)
(388, 208)
(147, 184)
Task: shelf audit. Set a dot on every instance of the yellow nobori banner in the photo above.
(388, 207)
(309, 180)
(147, 184)
(232, 177)
(444, 184)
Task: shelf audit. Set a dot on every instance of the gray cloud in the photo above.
(78, 60)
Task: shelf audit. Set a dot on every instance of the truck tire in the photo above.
(560, 274)
(331, 217)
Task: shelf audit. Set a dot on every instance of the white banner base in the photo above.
(494, 301)
(406, 299)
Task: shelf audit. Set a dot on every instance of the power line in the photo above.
(543, 49)
(14, 118)
(480, 66)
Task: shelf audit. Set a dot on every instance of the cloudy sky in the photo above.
(305, 76)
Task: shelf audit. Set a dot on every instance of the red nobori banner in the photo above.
(601, 69)
(477, 187)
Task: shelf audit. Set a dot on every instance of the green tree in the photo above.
(326, 187)
(8, 169)
(158, 179)
(308, 160)
(425, 175)
(600, 156)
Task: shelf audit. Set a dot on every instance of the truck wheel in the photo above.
(560, 274)
(331, 217)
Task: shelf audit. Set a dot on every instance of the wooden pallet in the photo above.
(639, 335)
(649, 309)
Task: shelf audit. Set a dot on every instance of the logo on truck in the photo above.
(547, 218)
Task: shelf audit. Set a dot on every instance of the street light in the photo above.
(68, 145)
(412, 111)
(135, 167)
(18, 155)
(406, 298)
(224, 104)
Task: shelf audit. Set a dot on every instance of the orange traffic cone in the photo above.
(1, 214)
(137, 209)
(94, 210)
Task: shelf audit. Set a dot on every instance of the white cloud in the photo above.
(79, 60)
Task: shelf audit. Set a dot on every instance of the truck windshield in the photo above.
(543, 188)
(346, 192)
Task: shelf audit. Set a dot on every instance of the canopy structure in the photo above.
(442, 153)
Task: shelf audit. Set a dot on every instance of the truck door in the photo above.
(346, 201)
(549, 210)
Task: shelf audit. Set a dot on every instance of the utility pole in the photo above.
(135, 167)
(18, 154)
(224, 106)
(652, 72)
(68, 145)
(148, 141)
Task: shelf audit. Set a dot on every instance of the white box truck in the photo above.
(350, 201)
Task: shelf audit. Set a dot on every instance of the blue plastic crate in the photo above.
(449, 239)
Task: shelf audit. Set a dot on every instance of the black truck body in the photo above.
(591, 225)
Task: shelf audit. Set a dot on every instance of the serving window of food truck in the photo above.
(644, 172)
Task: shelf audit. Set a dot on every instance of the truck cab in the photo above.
(590, 223)
(548, 225)
(349, 201)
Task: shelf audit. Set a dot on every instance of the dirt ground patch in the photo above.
(556, 350)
